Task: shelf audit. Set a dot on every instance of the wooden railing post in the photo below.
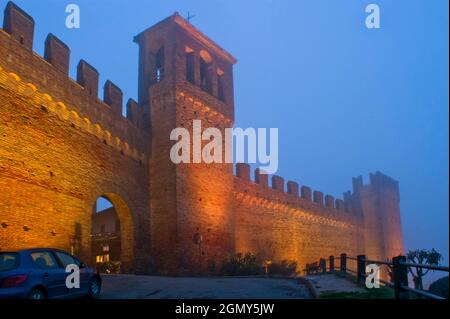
(361, 269)
(343, 264)
(323, 265)
(331, 261)
(400, 276)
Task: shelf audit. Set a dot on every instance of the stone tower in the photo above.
(379, 204)
(185, 76)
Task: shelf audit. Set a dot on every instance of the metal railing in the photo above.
(397, 269)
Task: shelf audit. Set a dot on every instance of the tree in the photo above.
(422, 256)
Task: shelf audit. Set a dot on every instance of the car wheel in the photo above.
(36, 294)
(94, 289)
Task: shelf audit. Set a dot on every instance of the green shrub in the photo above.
(440, 287)
(253, 265)
(283, 268)
(242, 265)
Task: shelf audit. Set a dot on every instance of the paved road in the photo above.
(149, 287)
(329, 283)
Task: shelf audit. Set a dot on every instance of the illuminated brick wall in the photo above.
(61, 147)
(290, 227)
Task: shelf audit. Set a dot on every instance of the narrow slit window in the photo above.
(190, 67)
(159, 65)
(220, 87)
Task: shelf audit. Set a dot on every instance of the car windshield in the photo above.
(8, 261)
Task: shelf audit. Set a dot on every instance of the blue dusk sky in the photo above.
(347, 100)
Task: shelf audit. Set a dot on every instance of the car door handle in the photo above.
(46, 275)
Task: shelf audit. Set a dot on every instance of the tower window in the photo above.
(159, 65)
(205, 76)
(205, 71)
(190, 68)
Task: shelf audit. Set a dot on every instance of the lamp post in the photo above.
(198, 239)
(72, 244)
(267, 264)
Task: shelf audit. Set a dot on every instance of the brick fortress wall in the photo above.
(61, 147)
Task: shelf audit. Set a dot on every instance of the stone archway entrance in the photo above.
(112, 240)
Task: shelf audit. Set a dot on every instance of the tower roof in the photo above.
(194, 32)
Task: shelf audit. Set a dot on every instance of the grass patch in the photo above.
(374, 293)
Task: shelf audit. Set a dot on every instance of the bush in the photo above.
(283, 268)
(252, 265)
(242, 265)
(440, 287)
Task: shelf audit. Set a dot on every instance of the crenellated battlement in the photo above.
(88, 78)
(278, 194)
(77, 100)
(377, 182)
(19, 24)
(14, 83)
(57, 53)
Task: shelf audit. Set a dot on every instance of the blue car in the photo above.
(41, 274)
